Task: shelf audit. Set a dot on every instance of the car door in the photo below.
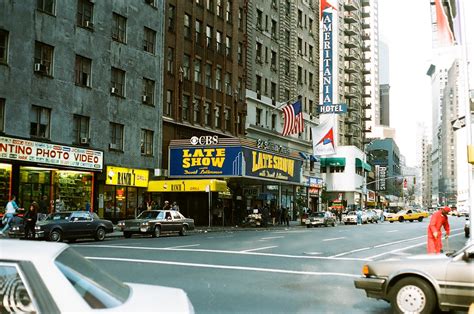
(177, 221)
(167, 222)
(80, 224)
(459, 282)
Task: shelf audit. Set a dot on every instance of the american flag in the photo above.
(293, 115)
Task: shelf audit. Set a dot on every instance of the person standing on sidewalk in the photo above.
(438, 219)
(30, 219)
(10, 211)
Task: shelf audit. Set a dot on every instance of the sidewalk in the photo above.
(205, 229)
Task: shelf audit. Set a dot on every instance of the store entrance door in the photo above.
(32, 192)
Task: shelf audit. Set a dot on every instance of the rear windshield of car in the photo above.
(318, 215)
(148, 214)
(58, 216)
(99, 289)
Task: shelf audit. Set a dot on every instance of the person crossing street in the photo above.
(438, 220)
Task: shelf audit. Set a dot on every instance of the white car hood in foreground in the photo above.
(157, 299)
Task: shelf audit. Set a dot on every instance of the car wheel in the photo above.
(183, 230)
(420, 219)
(401, 219)
(308, 226)
(411, 220)
(100, 234)
(56, 235)
(127, 234)
(412, 295)
(391, 221)
(156, 232)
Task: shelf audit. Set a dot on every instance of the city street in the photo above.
(281, 270)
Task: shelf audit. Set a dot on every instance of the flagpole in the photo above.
(286, 101)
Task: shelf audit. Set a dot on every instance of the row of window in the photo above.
(40, 128)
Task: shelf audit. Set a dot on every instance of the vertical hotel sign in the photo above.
(327, 58)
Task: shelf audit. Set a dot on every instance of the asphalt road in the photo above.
(292, 270)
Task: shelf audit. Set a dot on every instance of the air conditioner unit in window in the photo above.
(113, 90)
(40, 67)
(89, 24)
(144, 99)
(113, 146)
(84, 140)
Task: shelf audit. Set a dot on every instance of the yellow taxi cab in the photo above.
(408, 214)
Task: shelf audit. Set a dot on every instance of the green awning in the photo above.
(361, 164)
(333, 161)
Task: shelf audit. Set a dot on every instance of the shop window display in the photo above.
(35, 183)
(5, 173)
(72, 190)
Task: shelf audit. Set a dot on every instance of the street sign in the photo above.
(458, 123)
(332, 108)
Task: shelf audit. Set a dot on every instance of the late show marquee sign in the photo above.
(271, 166)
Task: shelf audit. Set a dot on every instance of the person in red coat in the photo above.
(438, 219)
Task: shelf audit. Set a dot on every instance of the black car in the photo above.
(73, 225)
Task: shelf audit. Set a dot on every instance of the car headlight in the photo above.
(37, 228)
(144, 224)
(15, 228)
(121, 224)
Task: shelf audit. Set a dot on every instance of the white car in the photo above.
(351, 218)
(42, 277)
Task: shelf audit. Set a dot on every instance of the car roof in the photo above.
(21, 250)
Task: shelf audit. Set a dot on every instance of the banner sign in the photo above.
(267, 165)
(329, 108)
(380, 175)
(327, 58)
(126, 176)
(205, 161)
(51, 154)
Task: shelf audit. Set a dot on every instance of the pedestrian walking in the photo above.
(175, 206)
(438, 220)
(10, 211)
(30, 219)
(167, 206)
(359, 216)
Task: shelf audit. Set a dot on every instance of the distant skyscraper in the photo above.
(384, 63)
(384, 114)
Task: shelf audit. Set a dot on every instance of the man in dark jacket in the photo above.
(30, 220)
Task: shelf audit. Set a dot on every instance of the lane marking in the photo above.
(353, 251)
(312, 253)
(333, 239)
(181, 246)
(265, 270)
(226, 252)
(258, 249)
(270, 238)
(390, 231)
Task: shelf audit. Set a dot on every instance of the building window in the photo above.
(43, 58)
(146, 142)
(228, 84)
(81, 129)
(239, 88)
(258, 84)
(151, 2)
(273, 60)
(210, 5)
(197, 71)
(228, 46)
(274, 119)
(197, 111)
(169, 103)
(116, 136)
(258, 116)
(45, 6)
(227, 119)
(170, 60)
(40, 121)
(171, 14)
(219, 78)
(209, 36)
(300, 18)
(273, 88)
(300, 46)
(311, 87)
(258, 52)
(148, 97)
(186, 66)
(207, 113)
(219, 10)
(274, 29)
(217, 115)
(241, 21)
(83, 71)
(118, 82)
(119, 28)
(239, 53)
(187, 26)
(300, 75)
(219, 41)
(228, 11)
(208, 75)
(85, 13)
(3, 46)
(185, 112)
(259, 19)
(198, 31)
(2, 115)
(149, 40)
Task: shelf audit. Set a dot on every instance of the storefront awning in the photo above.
(333, 161)
(361, 164)
(187, 186)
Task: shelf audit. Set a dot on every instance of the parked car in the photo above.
(467, 226)
(372, 216)
(407, 214)
(57, 279)
(156, 222)
(320, 219)
(72, 225)
(422, 283)
(351, 218)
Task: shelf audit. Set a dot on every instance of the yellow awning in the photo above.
(187, 185)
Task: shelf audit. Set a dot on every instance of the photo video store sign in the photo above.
(50, 154)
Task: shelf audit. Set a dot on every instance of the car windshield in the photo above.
(317, 215)
(58, 216)
(148, 214)
(351, 213)
(97, 288)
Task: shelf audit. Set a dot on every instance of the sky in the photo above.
(407, 32)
